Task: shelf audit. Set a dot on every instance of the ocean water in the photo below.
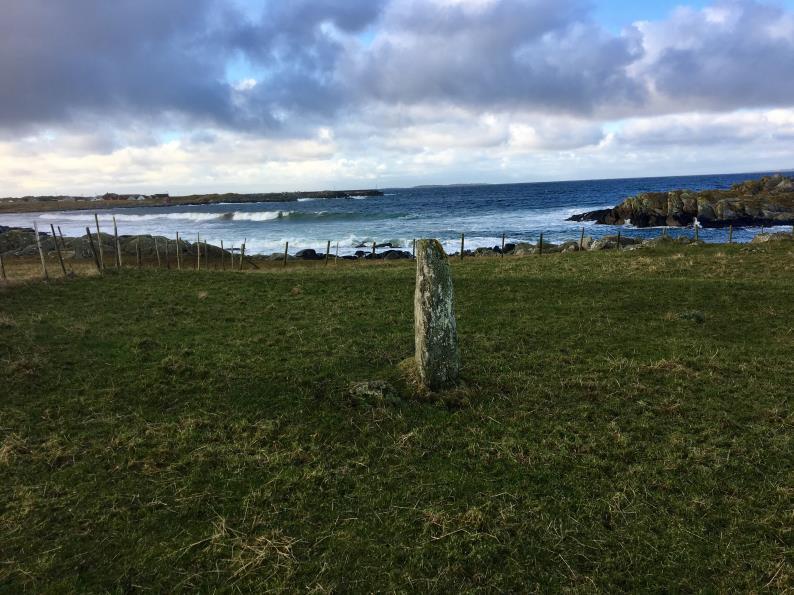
(483, 213)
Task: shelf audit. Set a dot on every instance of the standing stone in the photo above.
(437, 353)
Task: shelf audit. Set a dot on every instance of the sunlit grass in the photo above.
(625, 424)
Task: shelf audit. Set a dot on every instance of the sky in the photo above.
(264, 95)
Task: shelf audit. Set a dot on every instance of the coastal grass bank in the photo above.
(624, 422)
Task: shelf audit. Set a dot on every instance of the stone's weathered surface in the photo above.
(768, 201)
(437, 351)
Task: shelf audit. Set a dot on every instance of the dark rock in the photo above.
(768, 201)
(308, 254)
(13, 240)
(396, 255)
(369, 245)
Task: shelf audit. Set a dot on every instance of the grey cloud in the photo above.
(300, 54)
(60, 59)
(160, 63)
(150, 59)
(738, 63)
(509, 54)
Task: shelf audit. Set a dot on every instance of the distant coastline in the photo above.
(474, 184)
(34, 204)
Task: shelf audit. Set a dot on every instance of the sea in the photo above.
(483, 213)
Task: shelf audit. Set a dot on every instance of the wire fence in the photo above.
(115, 252)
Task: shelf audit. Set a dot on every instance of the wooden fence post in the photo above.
(178, 255)
(697, 231)
(157, 252)
(198, 252)
(413, 252)
(503, 246)
(462, 241)
(99, 241)
(118, 244)
(63, 242)
(223, 265)
(730, 234)
(540, 245)
(138, 251)
(167, 261)
(2, 269)
(373, 248)
(93, 250)
(242, 253)
(63, 245)
(581, 240)
(336, 261)
(41, 252)
(286, 251)
(58, 249)
(327, 251)
(618, 239)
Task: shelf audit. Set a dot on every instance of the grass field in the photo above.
(625, 425)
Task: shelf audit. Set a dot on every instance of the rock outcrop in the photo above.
(768, 201)
(437, 352)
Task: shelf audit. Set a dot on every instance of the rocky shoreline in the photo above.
(21, 242)
(764, 202)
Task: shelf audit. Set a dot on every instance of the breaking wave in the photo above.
(229, 216)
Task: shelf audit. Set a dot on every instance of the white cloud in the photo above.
(245, 84)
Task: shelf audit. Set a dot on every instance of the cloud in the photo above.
(219, 162)
(501, 54)
(198, 92)
(707, 130)
(167, 61)
(734, 54)
(62, 59)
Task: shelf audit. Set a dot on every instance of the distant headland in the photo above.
(111, 200)
(765, 201)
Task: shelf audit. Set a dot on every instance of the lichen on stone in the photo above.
(436, 336)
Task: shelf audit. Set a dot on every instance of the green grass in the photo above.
(625, 425)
